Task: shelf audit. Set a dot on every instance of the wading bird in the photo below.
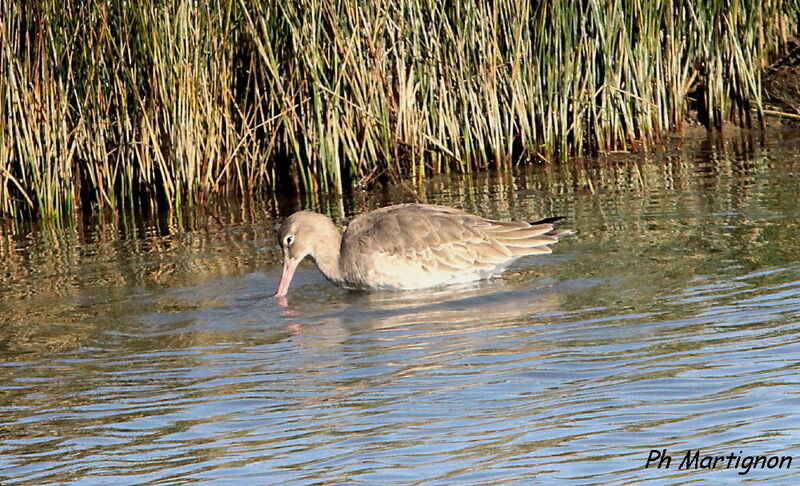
(410, 246)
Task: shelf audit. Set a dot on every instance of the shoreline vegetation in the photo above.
(112, 104)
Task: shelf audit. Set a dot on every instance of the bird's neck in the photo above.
(326, 253)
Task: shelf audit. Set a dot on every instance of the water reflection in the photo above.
(138, 351)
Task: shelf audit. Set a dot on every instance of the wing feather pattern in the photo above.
(420, 245)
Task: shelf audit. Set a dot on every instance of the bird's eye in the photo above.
(288, 240)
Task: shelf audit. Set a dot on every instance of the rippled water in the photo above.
(149, 352)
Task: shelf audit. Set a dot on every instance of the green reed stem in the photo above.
(109, 103)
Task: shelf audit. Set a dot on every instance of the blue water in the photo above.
(133, 356)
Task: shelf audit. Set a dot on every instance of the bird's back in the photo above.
(411, 246)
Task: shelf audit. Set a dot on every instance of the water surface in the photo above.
(148, 351)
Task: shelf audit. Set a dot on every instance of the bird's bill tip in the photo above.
(289, 266)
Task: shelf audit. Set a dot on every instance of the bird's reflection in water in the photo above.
(377, 339)
(461, 309)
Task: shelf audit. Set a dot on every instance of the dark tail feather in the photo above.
(548, 220)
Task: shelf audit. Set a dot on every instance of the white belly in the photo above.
(392, 272)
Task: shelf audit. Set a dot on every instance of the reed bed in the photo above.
(113, 103)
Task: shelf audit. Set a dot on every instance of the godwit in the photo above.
(410, 246)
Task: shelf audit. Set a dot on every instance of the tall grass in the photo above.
(109, 103)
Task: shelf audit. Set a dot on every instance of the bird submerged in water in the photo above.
(410, 246)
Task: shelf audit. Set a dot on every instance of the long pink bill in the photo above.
(289, 266)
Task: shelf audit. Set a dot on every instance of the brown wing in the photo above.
(439, 239)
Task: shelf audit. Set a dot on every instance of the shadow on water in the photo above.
(150, 351)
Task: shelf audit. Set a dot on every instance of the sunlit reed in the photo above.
(110, 103)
